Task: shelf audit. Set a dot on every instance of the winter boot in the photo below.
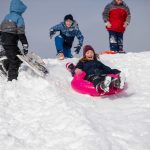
(71, 68)
(60, 56)
(105, 84)
(121, 52)
(122, 80)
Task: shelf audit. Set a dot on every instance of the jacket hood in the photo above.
(17, 6)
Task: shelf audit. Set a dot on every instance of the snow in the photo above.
(46, 114)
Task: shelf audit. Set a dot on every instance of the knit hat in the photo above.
(86, 48)
(69, 16)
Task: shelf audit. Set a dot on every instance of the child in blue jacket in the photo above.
(68, 30)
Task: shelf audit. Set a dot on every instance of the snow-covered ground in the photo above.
(46, 114)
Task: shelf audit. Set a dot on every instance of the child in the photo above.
(116, 16)
(96, 71)
(68, 30)
(13, 30)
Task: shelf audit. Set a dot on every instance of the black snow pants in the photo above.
(12, 63)
(95, 79)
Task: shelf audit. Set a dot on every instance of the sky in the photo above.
(47, 114)
(43, 14)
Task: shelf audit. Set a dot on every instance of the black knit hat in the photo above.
(69, 16)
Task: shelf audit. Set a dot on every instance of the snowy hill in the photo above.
(46, 114)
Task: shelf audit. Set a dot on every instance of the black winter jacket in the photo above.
(95, 67)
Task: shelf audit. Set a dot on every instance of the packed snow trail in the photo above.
(46, 114)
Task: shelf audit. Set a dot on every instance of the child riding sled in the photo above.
(96, 71)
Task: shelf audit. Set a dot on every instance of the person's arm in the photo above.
(80, 37)
(128, 19)
(57, 27)
(21, 31)
(79, 68)
(21, 35)
(54, 29)
(108, 70)
(105, 13)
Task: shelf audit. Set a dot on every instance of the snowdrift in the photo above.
(44, 114)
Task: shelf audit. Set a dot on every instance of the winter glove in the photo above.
(52, 32)
(77, 49)
(25, 49)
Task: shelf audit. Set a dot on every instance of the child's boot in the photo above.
(105, 84)
(60, 56)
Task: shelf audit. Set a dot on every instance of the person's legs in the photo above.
(113, 41)
(59, 44)
(67, 52)
(100, 82)
(120, 41)
(59, 47)
(13, 62)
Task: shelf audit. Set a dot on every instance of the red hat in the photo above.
(86, 48)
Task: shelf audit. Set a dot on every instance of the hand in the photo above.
(78, 71)
(77, 49)
(52, 32)
(108, 24)
(25, 49)
(125, 25)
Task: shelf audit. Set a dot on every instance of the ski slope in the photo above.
(46, 114)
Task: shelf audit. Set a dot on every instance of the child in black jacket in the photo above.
(96, 71)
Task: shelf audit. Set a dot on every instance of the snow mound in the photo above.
(46, 114)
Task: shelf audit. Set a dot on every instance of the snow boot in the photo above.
(105, 84)
(60, 56)
(116, 83)
(122, 80)
(71, 68)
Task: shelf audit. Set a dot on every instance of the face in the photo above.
(89, 55)
(68, 23)
(119, 2)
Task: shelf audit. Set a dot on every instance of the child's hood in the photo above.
(17, 6)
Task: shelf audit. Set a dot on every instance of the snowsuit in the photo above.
(13, 30)
(95, 70)
(117, 15)
(64, 40)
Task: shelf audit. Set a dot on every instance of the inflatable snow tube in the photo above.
(85, 87)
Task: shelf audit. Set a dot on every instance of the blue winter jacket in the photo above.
(69, 34)
(13, 27)
(14, 22)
